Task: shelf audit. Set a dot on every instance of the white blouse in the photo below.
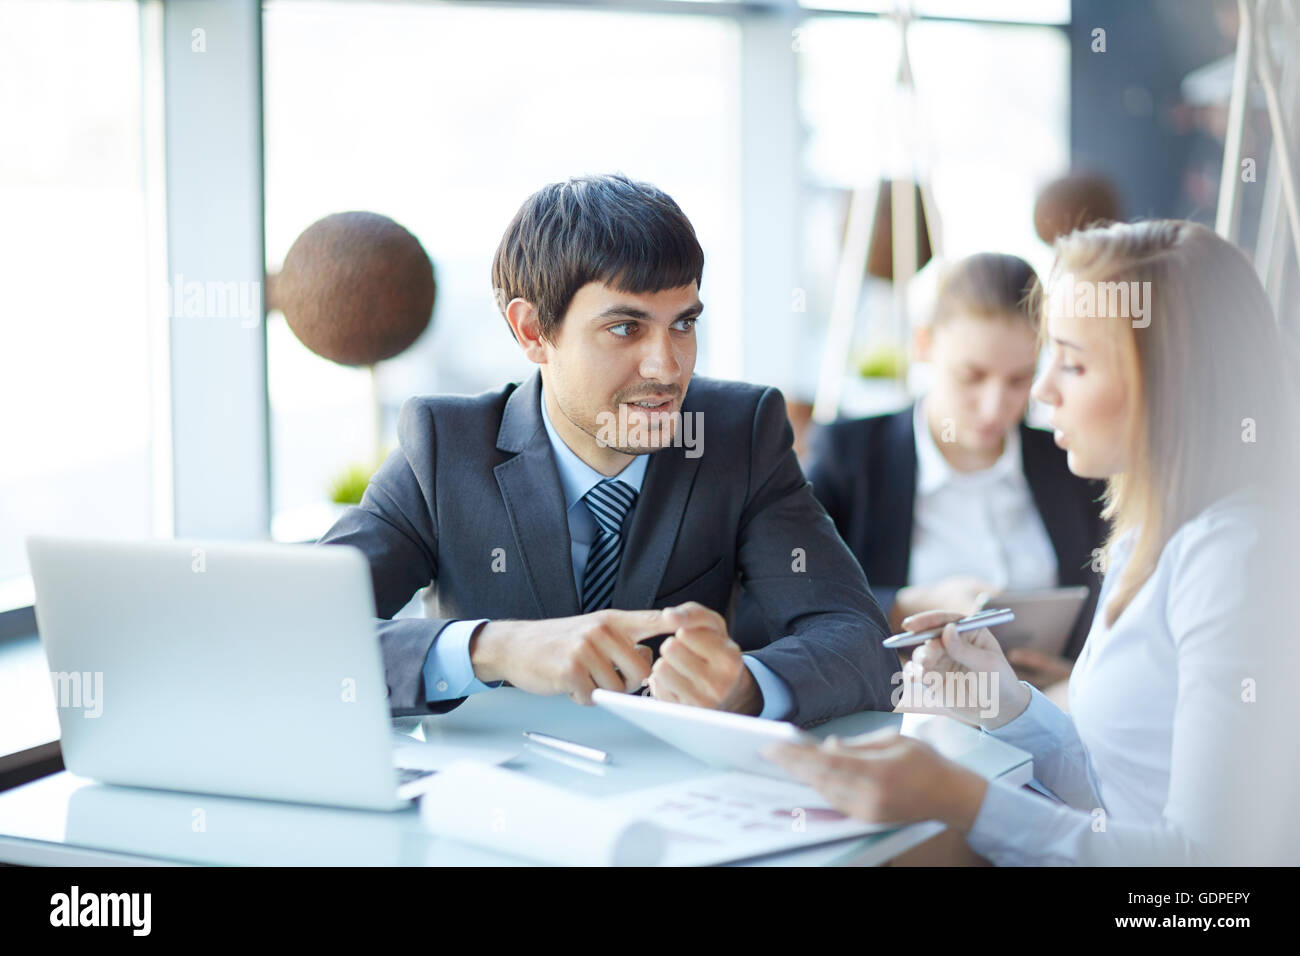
(1179, 747)
(980, 523)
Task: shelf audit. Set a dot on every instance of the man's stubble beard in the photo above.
(667, 430)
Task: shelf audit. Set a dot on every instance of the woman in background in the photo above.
(956, 496)
(1177, 747)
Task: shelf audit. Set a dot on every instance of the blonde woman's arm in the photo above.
(1016, 712)
(1233, 774)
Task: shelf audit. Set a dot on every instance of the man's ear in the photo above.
(524, 323)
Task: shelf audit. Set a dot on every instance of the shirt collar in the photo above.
(576, 476)
(933, 470)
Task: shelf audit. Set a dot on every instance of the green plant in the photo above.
(348, 487)
(883, 361)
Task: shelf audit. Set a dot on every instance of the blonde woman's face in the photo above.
(1086, 386)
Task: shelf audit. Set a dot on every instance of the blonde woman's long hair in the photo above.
(1213, 376)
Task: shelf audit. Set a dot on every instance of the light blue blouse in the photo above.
(1177, 746)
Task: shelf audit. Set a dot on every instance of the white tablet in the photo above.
(718, 738)
(1044, 619)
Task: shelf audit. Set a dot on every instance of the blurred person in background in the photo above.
(955, 497)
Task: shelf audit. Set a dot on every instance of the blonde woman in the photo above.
(1170, 379)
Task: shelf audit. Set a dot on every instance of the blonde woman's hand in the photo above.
(965, 676)
(886, 778)
(962, 593)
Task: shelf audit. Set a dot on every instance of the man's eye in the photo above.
(689, 324)
(628, 328)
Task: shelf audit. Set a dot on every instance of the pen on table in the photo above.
(568, 746)
(989, 618)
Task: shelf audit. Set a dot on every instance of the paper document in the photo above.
(718, 817)
(710, 819)
(507, 811)
(735, 816)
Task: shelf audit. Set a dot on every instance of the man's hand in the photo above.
(701, 666)
(568, 655)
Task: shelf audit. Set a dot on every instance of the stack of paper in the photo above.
(507, 811)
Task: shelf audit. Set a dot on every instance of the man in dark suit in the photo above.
(568, 522)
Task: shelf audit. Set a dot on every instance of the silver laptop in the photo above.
(244, 669)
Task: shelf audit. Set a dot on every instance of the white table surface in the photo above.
(68, 820)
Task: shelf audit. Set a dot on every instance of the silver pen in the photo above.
(568, 746)
(989, 618)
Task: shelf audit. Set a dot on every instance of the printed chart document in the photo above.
(734, 816)
(717, 817)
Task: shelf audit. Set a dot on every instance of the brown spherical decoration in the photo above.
(356, 288)
(1072, 202)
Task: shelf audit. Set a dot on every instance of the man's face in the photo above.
(619, 368)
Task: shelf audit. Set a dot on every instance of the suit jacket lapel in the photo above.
(1056, 507)
(534, 502)
(893, 499)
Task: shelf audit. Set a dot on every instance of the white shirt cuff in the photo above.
(777, 699)
(448, 672)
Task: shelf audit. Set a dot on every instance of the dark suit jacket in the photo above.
(476, 474)
(864, 474)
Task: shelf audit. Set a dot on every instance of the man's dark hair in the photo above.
(610, 229)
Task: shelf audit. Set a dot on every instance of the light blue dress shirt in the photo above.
(448, 673)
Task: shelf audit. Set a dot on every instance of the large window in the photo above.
(991, 125)
(444, 118)
(1021, 11)
(77, 347)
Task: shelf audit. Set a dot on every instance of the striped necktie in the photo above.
(609, 502)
